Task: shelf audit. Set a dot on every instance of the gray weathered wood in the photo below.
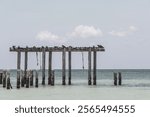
(119, 78)
(18, 68)
(53, 78)
(25, 65)
(4, 79)
(94, 67)
(43, 66)
(57, 49)
(89, 67)
(69, 67)
(115, 79)
(64, 67)
(1, 78)
(36, 79)
(50, 68)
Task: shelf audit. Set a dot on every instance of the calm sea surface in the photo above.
(135, 85)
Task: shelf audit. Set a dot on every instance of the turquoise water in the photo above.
(135, 85)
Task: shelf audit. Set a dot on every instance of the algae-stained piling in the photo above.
(4, 79)
(115, 79)
(1, 77)
(36, 79)
(119, 78)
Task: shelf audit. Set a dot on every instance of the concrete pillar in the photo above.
(89, 67)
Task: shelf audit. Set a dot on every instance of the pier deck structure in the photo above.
(63, 49)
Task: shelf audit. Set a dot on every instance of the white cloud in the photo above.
(118, 33)
(129, 31)
(48, 36)
(133, 28)
(82, 31)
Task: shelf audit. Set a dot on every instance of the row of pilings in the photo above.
(117, 78)
(31, 79)
(5, 80)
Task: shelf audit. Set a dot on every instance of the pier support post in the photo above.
(1, 78)
(31, 78)
(25, 66)
(4, 79)
(53, 78)
(8, 81)
(115, 79)
(43, 66)
(36, 79)
(27, 79)
(64, 66)
(69, 66)
(50, 68)
(94, 66)
(89, 67)
(18, 68)
(119, 78)
(22, 78)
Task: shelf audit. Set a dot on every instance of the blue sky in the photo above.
(122, 27)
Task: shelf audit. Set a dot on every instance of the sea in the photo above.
(135, 86)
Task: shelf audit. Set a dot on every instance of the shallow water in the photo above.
(135, 85)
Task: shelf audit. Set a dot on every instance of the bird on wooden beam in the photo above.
(100, 46)
(63, 46)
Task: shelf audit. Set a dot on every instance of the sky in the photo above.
(121, 26)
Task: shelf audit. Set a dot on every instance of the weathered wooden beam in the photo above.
(57, 49)
(43, 66)
(69, 67)
(64, 66)
(94, 67)
(50, 68)
(89, 67)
